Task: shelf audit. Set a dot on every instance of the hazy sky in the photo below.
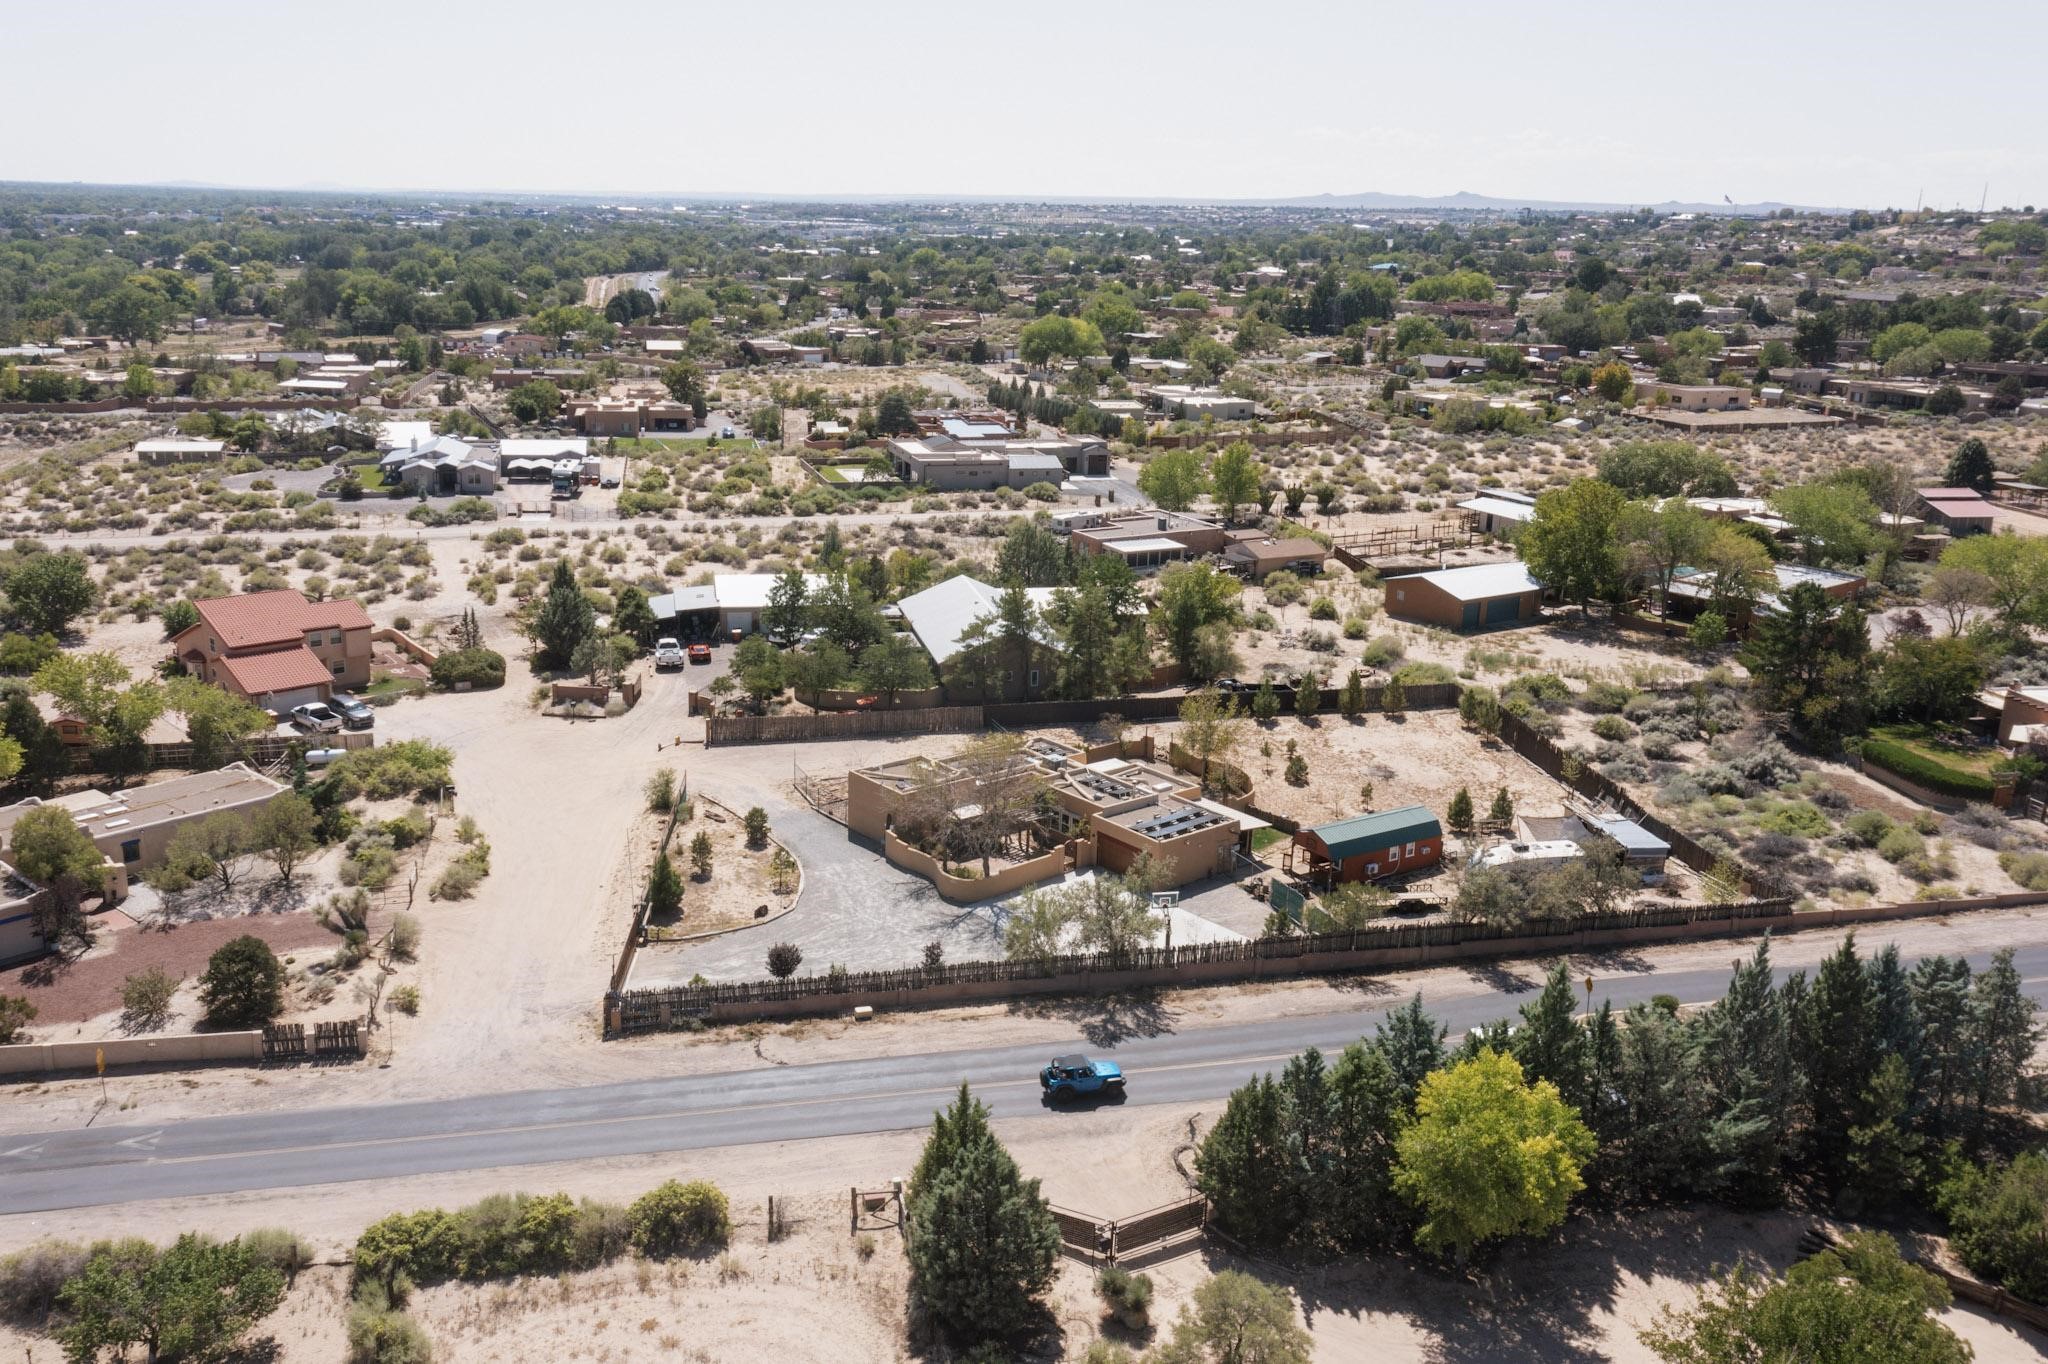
(1857, 104)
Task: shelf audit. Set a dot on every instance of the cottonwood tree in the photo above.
(190, 1300)
(212, 848)
(1174, 478)
(49, 848)
(1234, 478)
(285, 831)
(1570, 543)
(1210, 727)
(1854, 1302)
(1489, 1155)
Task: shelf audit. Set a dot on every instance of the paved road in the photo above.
(104, 1165)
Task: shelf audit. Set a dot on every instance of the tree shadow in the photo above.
(1553, 1300)
(1620, 960)
(1500, 977)
(1106, 1020)
(1372, 987)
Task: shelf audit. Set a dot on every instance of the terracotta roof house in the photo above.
(276, 648)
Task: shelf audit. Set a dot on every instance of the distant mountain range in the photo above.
(1461, 201)
(1486, 203)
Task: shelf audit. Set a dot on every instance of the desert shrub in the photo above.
(1857, 881)
(1766, 763)
(406, 999)
(1983, 826)
(1866, 827)
(1604, 698)
(381, 1335)
(407, 829)
(1125, 1295)
(459, 879)
(1613, 728)
(146, 996)
(31, 1278)
(679, 1219)
(476, 667)
(1322, 608)
(2029, 870)
(1355, 627)
(1381, 652)
(1796, 817)
(661, 791)
(1899, 843)
(1775, 847)
(403, 768)
(284, 1251)
(1319, 641)
(1421, 674)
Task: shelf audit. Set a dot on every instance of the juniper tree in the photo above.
(1746, 1073)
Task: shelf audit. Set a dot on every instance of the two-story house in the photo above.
(276, 648)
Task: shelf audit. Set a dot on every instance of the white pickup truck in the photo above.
(668, 653)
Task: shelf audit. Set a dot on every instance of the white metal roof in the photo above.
(942, 613)
(1477, 582)
(1502, 507)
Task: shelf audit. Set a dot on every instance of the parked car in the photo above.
(355, 714)
(725, 433)
(1230, 686)
(1075, 1077)
(316, 718)
(668, 653)
(608, 482)
(700, 653)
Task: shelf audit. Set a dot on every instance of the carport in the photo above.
(690, 613)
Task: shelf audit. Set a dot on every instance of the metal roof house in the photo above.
(1368, 847)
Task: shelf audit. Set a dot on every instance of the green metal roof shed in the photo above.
(1348, 838)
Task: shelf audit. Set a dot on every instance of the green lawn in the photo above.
(1950, 749)
(1263, 839)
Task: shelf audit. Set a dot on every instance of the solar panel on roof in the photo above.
(1177, 822)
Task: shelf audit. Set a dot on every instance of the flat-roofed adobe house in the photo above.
(1467, 598)
(1368, 847)
(133, 828)
(277, 649)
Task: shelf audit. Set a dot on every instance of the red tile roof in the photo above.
(280, 670)
(254, 619)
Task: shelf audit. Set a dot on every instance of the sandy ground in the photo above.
(814, 1297)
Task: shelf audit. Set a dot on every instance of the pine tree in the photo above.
(1238, 1167)
(1884, 1150)
(1896, 1029)
(1949, 1041)
(1394, 697)
(1351, 702)
(1837, 1049)
(1747, 1074)
(983, 1246)
(2002, 1023)
(1413, 1043)
(1308, 697)
(1658, 1149)
(1502, 811)
(565, 619)
(1266, 701)
(1459, 816)
(1550, 1044)
(1357, 1207)
(664, 889)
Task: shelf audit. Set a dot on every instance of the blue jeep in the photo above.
(1074, 1077)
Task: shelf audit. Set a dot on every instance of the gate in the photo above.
(1106, 1241)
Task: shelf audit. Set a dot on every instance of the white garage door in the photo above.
(283, 701)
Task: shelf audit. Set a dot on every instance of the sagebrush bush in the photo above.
(679, 1219)
(30, 1280)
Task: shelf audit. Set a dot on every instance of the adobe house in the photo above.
(1368, 847)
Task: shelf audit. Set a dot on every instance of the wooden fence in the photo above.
(1371, 945)
(262, 750)
(1374, 946)
(1517, 734)
(287, 1041)
(786, 729)
(636, 932)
